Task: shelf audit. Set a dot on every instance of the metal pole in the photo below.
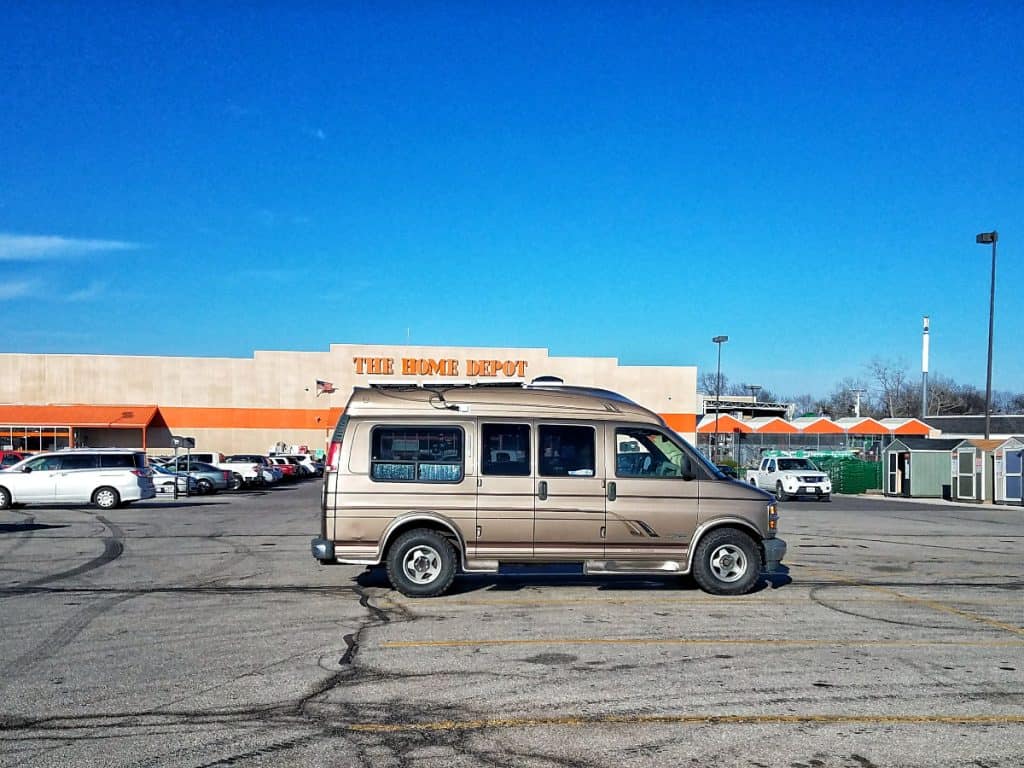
(718, 403)
(991, 315)
(924, 370)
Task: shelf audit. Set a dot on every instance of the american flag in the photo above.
(323, 388)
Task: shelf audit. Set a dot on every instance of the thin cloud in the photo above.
(16, 290)
(95, 290)
(46, 247)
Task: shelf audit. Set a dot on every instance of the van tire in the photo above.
(727, 562)
(5, 498)
(421, 563)
(106, 498)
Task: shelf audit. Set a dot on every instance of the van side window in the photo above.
(116, 460)
(646, 452)
(416, 454)
(506, 450)
(78, 461)
(566, 450)
(44, 463)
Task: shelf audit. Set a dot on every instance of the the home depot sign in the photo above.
(420, 366)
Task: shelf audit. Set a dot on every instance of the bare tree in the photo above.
(712, 384)
(804, 404)
(890, 379)
(842, 401)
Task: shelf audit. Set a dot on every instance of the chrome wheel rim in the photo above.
(728, 563)
(422, 564)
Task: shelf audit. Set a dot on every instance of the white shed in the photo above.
(972, 470)
(1008, 458)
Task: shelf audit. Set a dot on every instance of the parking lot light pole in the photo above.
(719, 340)
(984, 239)
(754, 389)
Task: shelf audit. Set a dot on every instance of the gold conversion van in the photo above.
(431, 480)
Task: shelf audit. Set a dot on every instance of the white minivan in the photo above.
(106, 477)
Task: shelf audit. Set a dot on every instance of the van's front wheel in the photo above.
(421, 563)
(727, 562)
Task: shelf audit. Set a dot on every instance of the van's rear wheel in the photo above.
(106, 498)
(421, 563)
(727, 562)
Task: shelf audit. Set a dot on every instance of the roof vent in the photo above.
(547, 381)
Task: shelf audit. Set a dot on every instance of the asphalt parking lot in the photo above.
(199, 632)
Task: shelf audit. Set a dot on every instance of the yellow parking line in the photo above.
(442, 604)
(933, 604)
(528, 722)
(701, 641)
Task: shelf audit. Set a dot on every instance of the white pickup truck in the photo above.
(791, 477)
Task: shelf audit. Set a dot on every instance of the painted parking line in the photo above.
(842, 578)
(764, 719)
(442, 604)
(712, 641)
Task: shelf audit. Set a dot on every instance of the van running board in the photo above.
(643, 567)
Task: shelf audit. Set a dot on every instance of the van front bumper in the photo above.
(323, 550)
(774, 551)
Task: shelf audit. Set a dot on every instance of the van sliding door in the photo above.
(569, 518)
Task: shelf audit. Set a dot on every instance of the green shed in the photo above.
(919, 467)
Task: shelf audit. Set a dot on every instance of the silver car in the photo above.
(164, 481)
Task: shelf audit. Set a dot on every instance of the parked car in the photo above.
(164, 480)
(106, 477)
(239, 475)
(268, 472)
(209, 479)
(291, 469)
(10, 458)
(304, 460)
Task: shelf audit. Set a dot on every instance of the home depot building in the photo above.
(242, 405)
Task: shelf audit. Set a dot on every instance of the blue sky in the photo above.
(596, 179)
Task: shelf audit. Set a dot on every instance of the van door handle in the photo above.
(542, 490)
(611, 491)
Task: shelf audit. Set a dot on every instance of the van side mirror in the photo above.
(688, 475)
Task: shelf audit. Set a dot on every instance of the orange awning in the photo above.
(912, 427)
(108, 416)
(726, 423)
(868, 426)
(819, 426)
(775, 426)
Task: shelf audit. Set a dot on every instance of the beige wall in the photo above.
(286, 380)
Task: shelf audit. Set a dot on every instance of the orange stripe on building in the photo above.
(681, 422)
(250, 418)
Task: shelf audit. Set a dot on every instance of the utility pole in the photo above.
(924, 370)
